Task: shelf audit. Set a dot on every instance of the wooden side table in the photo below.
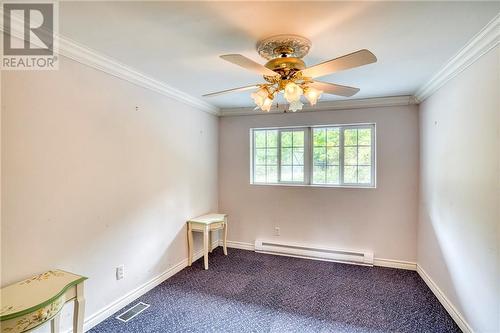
(32, 302)
(206, 224)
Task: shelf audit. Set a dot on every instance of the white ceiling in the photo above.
(179, 42)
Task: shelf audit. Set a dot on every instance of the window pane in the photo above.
(272, 156)
(319, 136)
(260, 156)
(260, 139)
(332, 155)
(364, 155)
(364, 136)
(350, 174)
(319, 174)
(260, 174)
(350, 137)
(298, 138)
(364, 175)
(298, 173)
(272, 174)
(331, 163)
(350, 156)
(319, 156)
(332, 137)
(286, 156)
(286, 173)
(286, 139)
(298, 156)
(332, 175)
(272, 138)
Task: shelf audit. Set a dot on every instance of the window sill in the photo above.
(317, 185)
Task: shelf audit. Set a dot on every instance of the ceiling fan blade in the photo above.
(334, 89)
(254, 86)
(249, 64)
(355, 59)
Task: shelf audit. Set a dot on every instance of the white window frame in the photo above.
(308, 151)
(306, 154)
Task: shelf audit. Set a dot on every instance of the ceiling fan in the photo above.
(286, 72)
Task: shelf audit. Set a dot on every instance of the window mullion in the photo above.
(266, 147)
(279, 155)
(341, 155)
(373, 151)
(307, 155)
(252, 156)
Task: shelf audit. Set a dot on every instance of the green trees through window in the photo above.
(292, 156)
(337, 155)
(266, 156)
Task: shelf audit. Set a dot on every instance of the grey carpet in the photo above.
(252, 292)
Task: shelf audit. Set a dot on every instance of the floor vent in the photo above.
(314, 252)
(132, 312)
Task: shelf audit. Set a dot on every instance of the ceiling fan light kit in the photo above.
(285, 72)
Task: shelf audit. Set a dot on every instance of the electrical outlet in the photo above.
(120, 272)
(276, 231)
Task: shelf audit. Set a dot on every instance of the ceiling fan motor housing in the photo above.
(284, 53)
(286, 64)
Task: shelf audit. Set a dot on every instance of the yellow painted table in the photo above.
(206, 224)
(30, 303)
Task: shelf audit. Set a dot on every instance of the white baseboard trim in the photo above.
(400, 264)
(447, 304)
(240, 245)
(113, 307)
(376, 261)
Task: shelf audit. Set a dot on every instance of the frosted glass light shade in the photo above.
(292, 92)
(260, 96)
(266, 105)
(312, 95)
(295, 106)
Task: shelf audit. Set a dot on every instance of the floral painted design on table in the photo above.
(34, 319)
(43, 276)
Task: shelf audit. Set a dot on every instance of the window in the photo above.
(266, 156)
(292, 156)
(326, 155)
(336, 155)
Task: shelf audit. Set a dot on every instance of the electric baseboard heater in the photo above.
(314, 252)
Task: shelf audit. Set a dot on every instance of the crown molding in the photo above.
(479, 45)
(327, 106)
(86, 56)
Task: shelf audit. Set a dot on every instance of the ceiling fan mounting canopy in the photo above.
(282, 46)
(284, 53)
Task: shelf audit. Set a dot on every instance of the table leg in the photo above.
(205, 245)
(55, 323)
(225, 236)
(210, 244)
(79, 309)
(190, 244)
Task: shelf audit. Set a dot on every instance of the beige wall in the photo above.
(89, 183)
(458, 244)
(381, 219)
